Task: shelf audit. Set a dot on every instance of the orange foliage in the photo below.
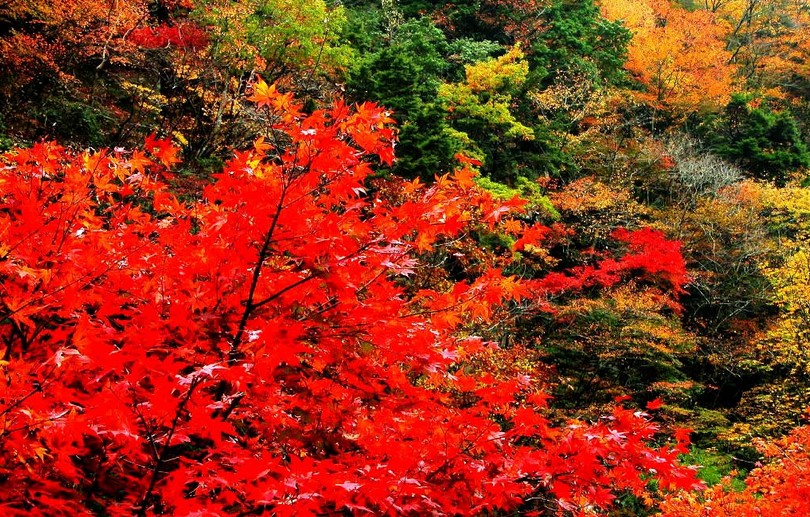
(787, 52)
(62, 34)
(679, 55)
(780, 488)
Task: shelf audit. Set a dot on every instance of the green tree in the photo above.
(404, 74)
(578, 40)
(764, 142)
(282, 39)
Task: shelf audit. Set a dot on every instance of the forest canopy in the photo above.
(403, 257)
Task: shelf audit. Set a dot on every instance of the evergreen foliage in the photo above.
(765, 143)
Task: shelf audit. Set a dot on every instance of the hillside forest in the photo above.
(400, 257)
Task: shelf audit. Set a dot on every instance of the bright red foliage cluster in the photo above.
(653, 254)
(650, 256)
(181, 35)
(256, 350)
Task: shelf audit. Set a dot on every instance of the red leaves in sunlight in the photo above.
(257, 350)
(181, 35)
(655, 404)
(653, 254)
(650, 256)
(162, 149)
(532, 236)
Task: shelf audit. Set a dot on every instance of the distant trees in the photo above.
(679, 56)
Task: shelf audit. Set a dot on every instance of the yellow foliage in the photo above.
(505, 73)
(486, 96)
(630, 319)
(574, 96)
(148, 99)
(588, 194)
(788, 340)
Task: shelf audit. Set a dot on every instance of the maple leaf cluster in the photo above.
(649, 257)
(255, 349)
(181, 35)
(781, 487)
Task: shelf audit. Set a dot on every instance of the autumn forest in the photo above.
(398, 257)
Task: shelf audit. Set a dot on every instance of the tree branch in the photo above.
(161, 460)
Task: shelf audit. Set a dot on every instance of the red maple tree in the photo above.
(257, 349)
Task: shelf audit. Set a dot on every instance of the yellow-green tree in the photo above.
(781, 350)
(281, 39)
(480, 108)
